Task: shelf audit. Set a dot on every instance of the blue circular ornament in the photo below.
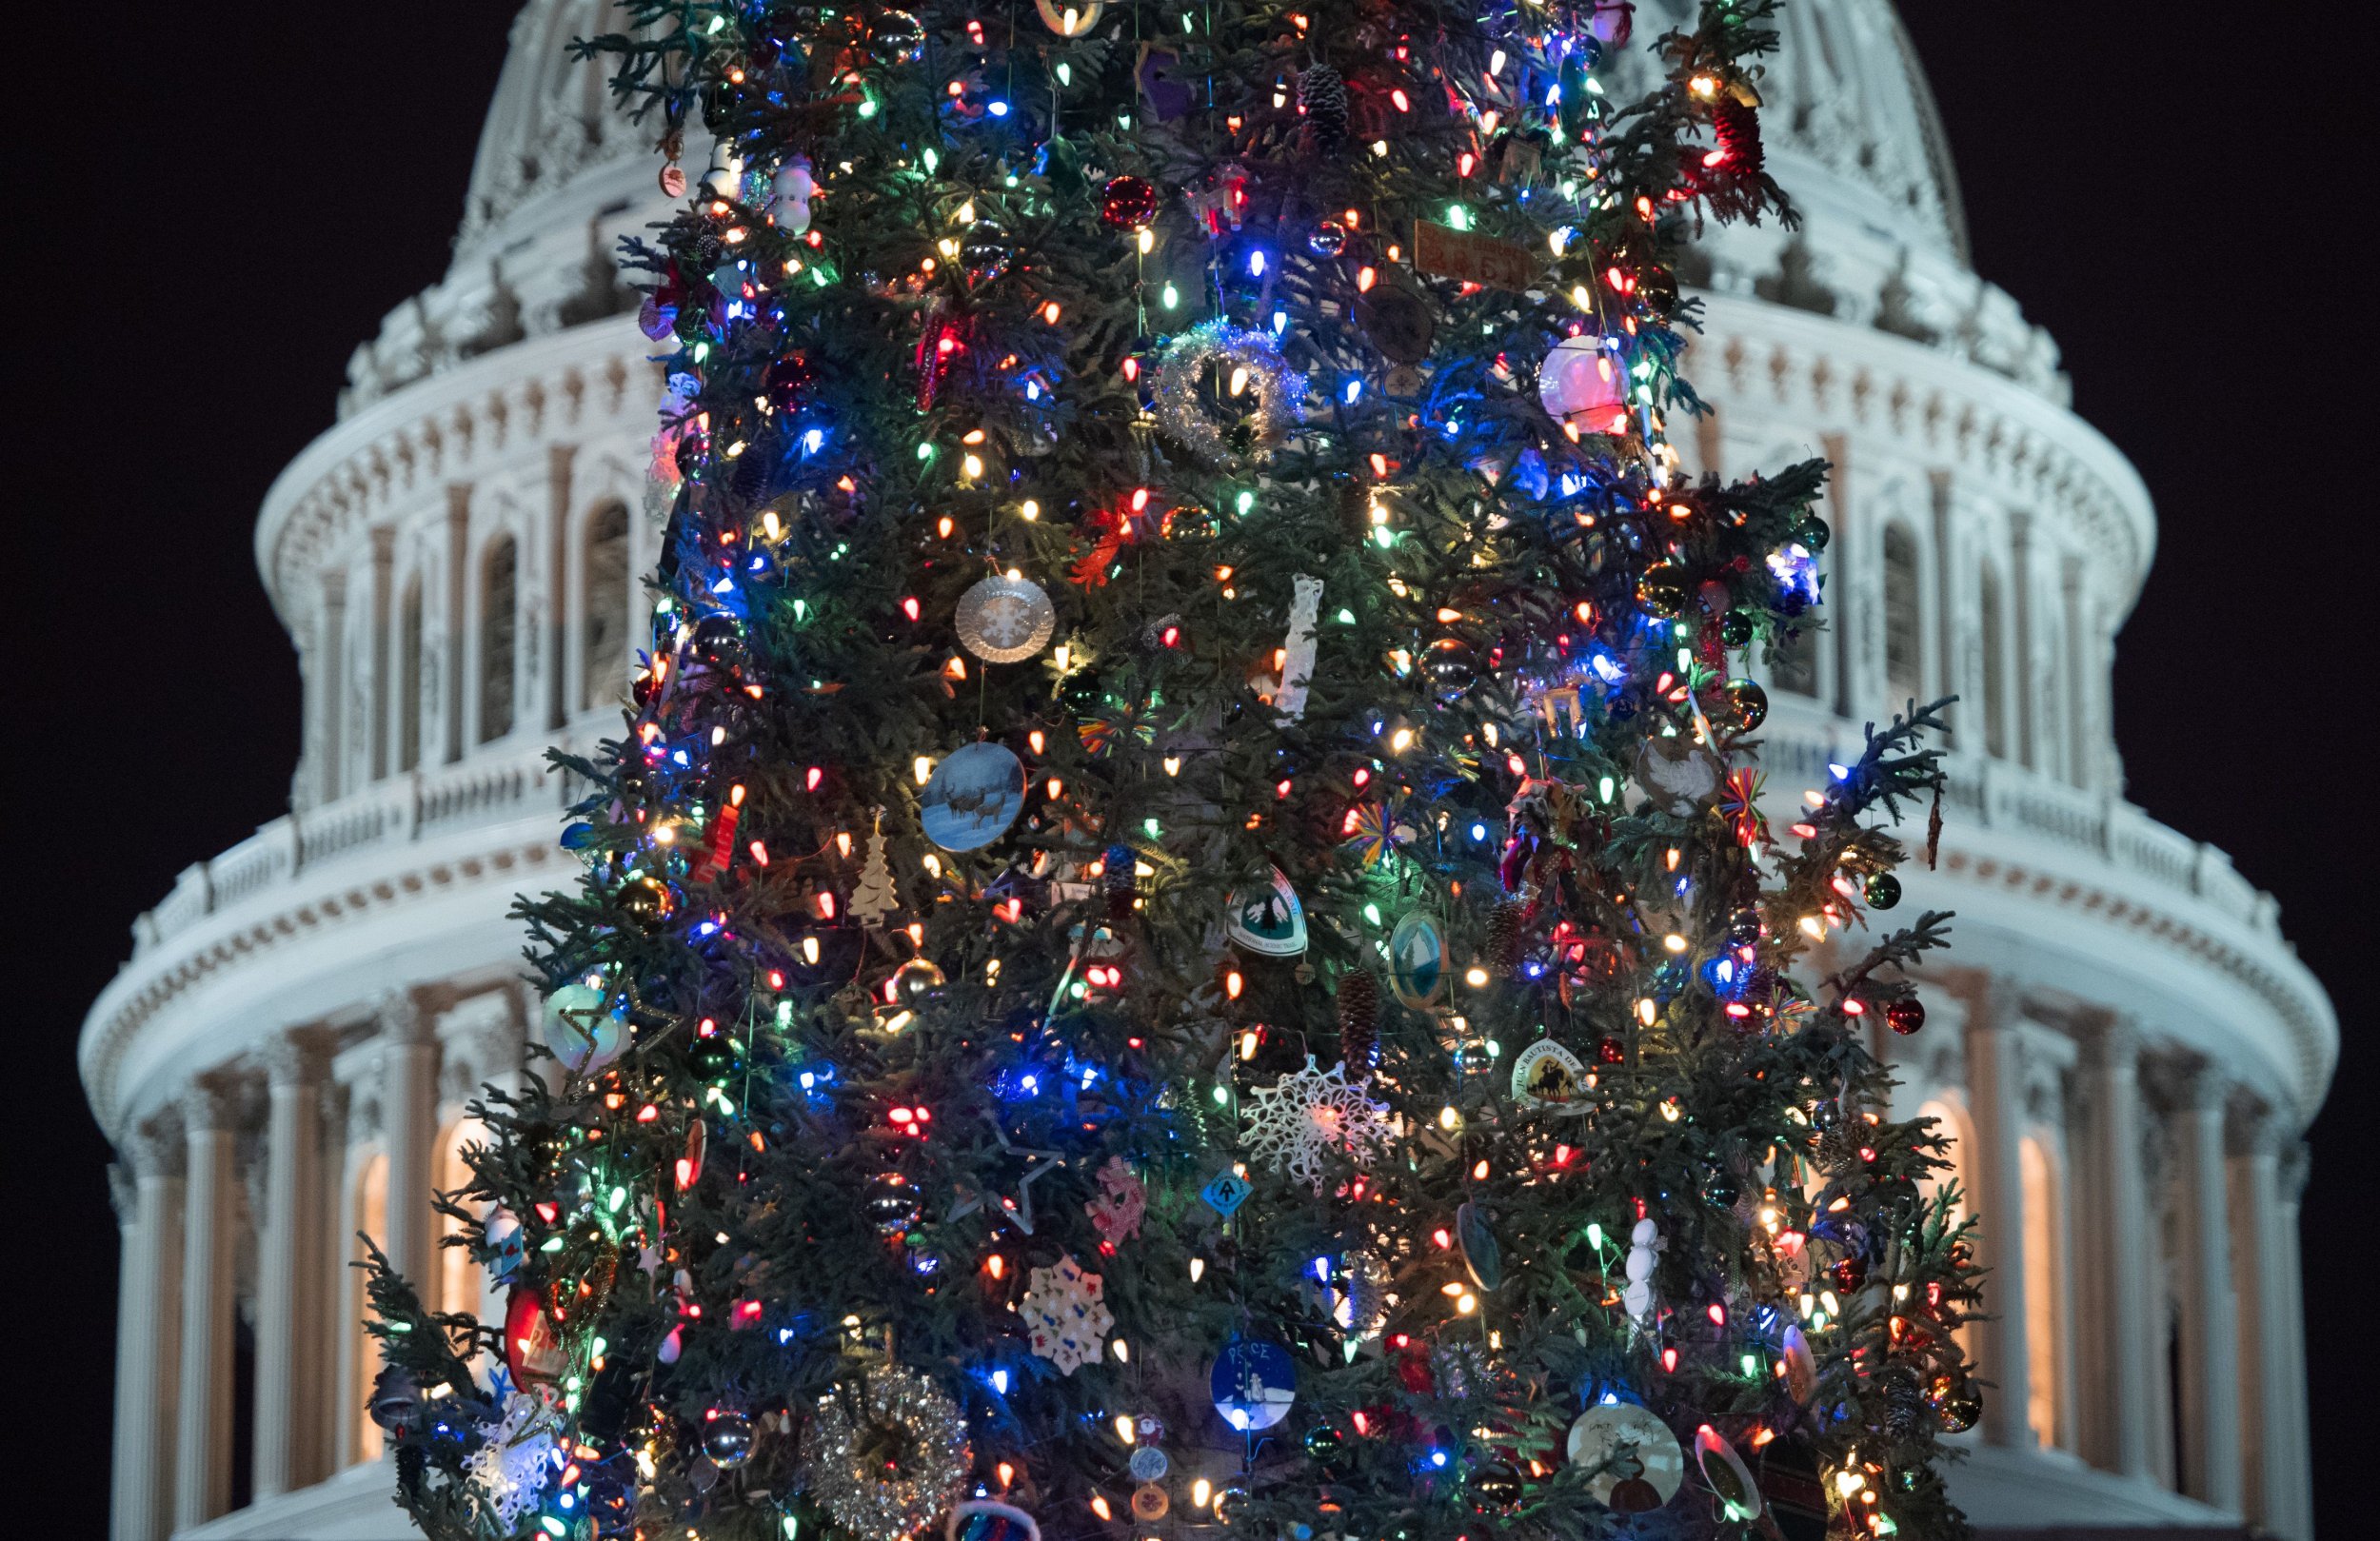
(1254, 1384)
(1417, 961)
(972, 797)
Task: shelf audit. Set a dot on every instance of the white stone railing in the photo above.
(486, 788)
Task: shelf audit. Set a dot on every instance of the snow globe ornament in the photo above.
(972, 797)
(1581, 384)
(1005, 619)
(1254, 1384)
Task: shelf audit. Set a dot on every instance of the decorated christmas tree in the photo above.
(1183, 936)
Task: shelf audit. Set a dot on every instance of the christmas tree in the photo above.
(1183, 936)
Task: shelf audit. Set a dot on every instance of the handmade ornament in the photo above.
(789, 194)
(1004, 619)
(508, 1244)
(882, 1456)
(1644, 1245)
(514, 1460)
(1791, 1487)
(1127, 202)
(1148, 1463)
(1254, 1383)
(972, 797)
(1678, 774)
(580, 1029)
(875, 896)
(1297, 670)
(1226, 394)
(1310, 1118)
(725, 177)
(1634, 1464)
(534, 1355)
(1272, 922)
(988, 1519)
(1355, 1292)
(1072, 18)
(1467, 257)
(1064, 1319)
(1582, 383)
(1547, 1075)
(1729, 1479)
(1117, 1210)
(1801, 1366)
(1167, 97)
(1149, 1503)
(1417, 961)
(1398, 320)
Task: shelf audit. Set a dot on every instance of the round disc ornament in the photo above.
(972, 797)
(1005, 619)
(1417, 961)
(1254, 1384)
(1546, 1074)
(1730, 1479)
(1635, 1463)
(1272, 922)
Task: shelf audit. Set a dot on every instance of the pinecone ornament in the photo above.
(1118, 877)
(1906, 1413)
(1359, 1021)
(1738, 127)
(1503, 934)
(1322, 97)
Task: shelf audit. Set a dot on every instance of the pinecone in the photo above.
(1359, 1021)
(1119, 877)
(1322, 97)
(1906, 1413)
(1503, 934)
(1739, 130)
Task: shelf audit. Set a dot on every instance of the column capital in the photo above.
(215, 1103)
(2296, 1166)
(2111, 1043)
(2255, 1128)
(294, 1060)
(157, 1145)
(403, 1018)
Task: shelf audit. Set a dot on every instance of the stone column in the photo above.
(2020, 595)
(148, 1339)
(2126, 1267)
(1996, 1082)
(285, 1381)
(2291, 1467)
(202, 1481)
(409, 1117)
(2210, 1368)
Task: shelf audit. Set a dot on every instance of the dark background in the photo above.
(229, 203)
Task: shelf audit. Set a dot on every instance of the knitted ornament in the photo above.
(1738, 127)
(1359, 1021)
(1323, 98)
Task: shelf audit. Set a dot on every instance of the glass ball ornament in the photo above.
(914, 983)
(1325, 1442)
(713, 1059)
(1610, 1050)
(1747, 704)
(1814, 533)
(1127, 202)
(728, 1437)
(1661, 591)
(1905, 1016)
(892, 1204)
(1328, 240)
(719, 639)
(1743, 927)
(647, 899)
(1850, 1273)
(1186, 521)
(1957, 1404)
(897, 37)
(1495, 1486)
(1579, 383)
(1882, 889)
(1736, 628)
(788, 384)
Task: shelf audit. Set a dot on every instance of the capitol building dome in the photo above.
(2121, 1039)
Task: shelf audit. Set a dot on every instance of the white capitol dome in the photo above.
(2126, 1045)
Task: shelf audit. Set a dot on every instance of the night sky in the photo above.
(221, 210)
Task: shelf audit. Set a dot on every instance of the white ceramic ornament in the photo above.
(789, 194)
(1297, 670)
(1636, 1464)
(725, 177)
(1005, 619)
(1643, 1243)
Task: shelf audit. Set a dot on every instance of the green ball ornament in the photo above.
(713, 1059)
(1736, 628)
(1882, 889)
(1814, 533)
(1325, 1443)
(1747, 704)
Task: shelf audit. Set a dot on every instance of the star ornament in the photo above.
(1019, 1209)
(1310, 1118)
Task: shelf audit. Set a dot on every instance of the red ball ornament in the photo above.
(1127, 202)
(533, 1352)
(1905, 1016)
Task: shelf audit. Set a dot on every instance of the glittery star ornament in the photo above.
(1062, 1310)
(1301, 1122)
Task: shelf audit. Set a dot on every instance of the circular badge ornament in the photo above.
(1635, 1463)
(1272, 922)
(1547, 1075)
(972, 797)
(1801, 1366)
(1730, 1479)
(1417, 961)
(1254, 1384)
(1005, 619)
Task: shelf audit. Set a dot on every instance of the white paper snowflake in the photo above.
(1061, 1308)
(1292, 1124)
(512, 1464)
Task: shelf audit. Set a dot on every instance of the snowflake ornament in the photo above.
(515, 1458)
(1292, 1124)
(1062, 1310)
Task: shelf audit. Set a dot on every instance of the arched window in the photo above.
(1995, 665)
(1951, 1122)
(2045, 1278)
(410, 677)
(1904, 638)
(605, 606)
(371, 1219)
(458, 1276)
(499, 627)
